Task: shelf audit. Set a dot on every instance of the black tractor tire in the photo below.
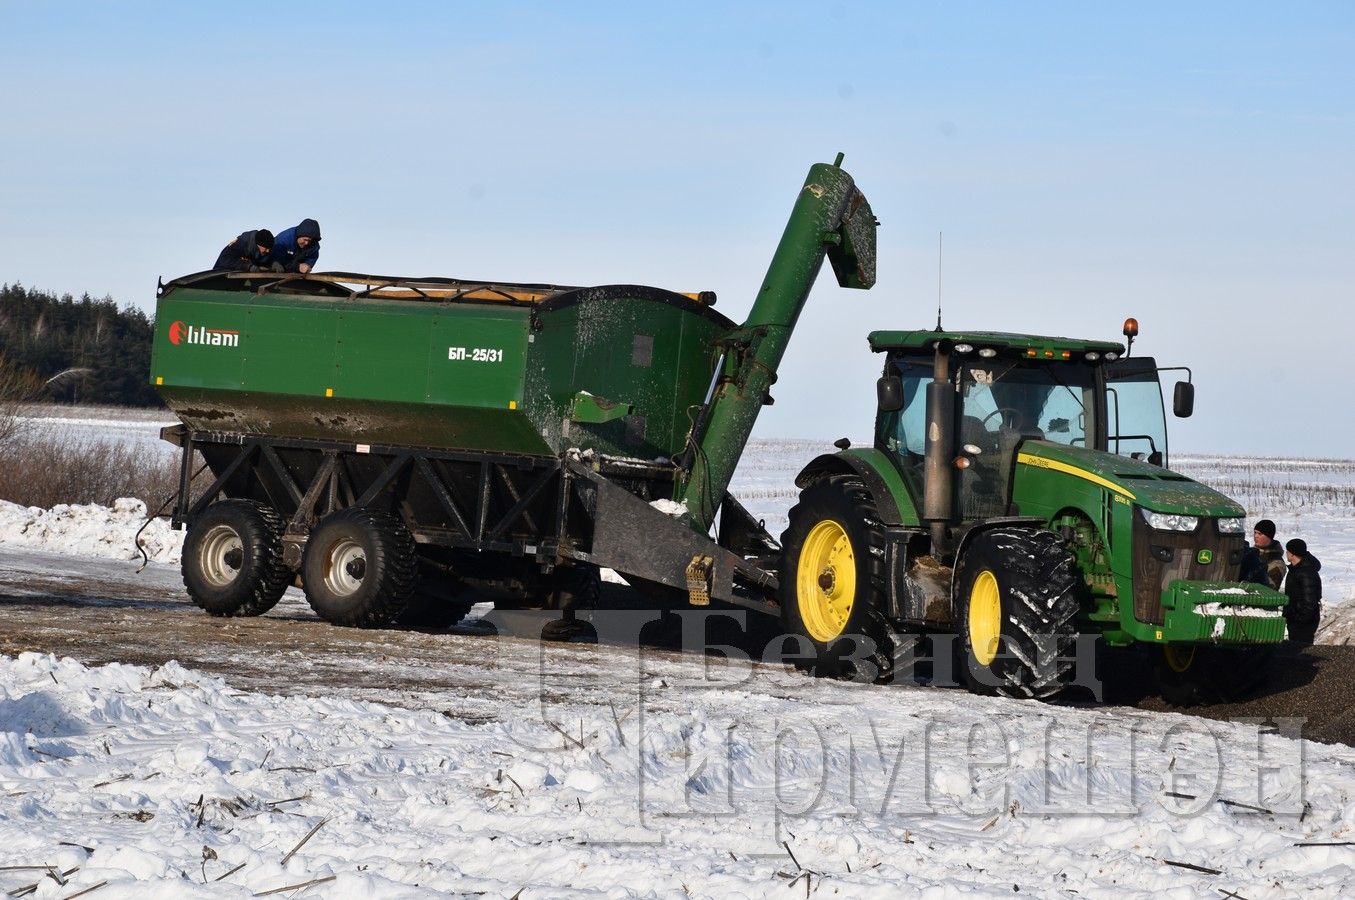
(360, 568)
(232, 559)
(434, 611)
(1030, 575)
(1204, 674)
(842, 615)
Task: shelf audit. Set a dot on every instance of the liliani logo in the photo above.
(180, 333)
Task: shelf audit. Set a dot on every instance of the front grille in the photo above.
(1161, 557)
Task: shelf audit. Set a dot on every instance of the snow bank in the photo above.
(89, 530)
(159, 781)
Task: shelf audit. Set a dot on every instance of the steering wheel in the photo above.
(1011, 418)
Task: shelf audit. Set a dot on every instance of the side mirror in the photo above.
(889, 392)
(1183, 400)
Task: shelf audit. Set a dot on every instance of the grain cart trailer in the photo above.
(399, 444)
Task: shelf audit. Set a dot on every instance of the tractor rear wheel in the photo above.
(232, 559)
(360, 568)
(833, 591)
(1015, 609)
(1201, 674)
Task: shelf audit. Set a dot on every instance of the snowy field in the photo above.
(726, 782)
(137, 427)
(614, 773)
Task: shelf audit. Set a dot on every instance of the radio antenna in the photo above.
(938, 280)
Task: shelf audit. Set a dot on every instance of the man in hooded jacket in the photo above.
(247, 253)
(298, 248)
(1303, 585)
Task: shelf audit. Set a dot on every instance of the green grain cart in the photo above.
(401, 446)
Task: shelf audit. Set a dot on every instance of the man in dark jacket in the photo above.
(247, 253)
(1303, 585)
(298, 248)
(1263, 561)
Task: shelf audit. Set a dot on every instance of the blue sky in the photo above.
(1194, 167)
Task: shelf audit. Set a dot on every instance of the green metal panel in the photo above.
(282, 349)
(883, 466)
(476, 375)
(647, 353)
(926, 340)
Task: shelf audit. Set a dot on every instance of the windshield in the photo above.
(1135, 424)
(1006, 402)
(1053, 402)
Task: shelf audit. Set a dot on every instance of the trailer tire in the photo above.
(1015, 611)
(232, 559)
(833, 593)
(427, 610)
(360, 568)
(1199, 675)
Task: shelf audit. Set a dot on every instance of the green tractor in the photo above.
(1018, 496)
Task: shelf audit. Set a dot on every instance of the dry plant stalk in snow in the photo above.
(55, 466)
(18, 387)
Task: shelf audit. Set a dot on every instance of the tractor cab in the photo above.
(991, 393)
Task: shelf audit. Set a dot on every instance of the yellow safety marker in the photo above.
(329, 392)
(159, 379)
(512, 404)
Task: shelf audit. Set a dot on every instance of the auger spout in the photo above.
(831, 218)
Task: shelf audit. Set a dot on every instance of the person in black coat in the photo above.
(247, 253)
(1303, 585)
(1263, 561)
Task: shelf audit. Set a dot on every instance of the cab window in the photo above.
(1135, 424)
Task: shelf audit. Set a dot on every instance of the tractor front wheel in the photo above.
(1201, 674)
(832, 582)
(1015, 610)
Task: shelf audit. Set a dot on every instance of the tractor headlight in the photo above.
(1170, 521)
(1232, 526)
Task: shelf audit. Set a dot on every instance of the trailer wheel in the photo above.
(832, 582)
(1015, 609)
(360, 568)
(1196, 675)
(428, 610)
(232, 559)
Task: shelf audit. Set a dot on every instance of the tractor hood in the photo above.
(1147, 485)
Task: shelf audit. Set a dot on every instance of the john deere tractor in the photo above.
(1018, 495)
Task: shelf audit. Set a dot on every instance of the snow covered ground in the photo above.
(737, 781)
(138, 427)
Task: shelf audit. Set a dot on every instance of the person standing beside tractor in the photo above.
(1263, 562)
(1303, 586)
(247, 253)
(298, 248)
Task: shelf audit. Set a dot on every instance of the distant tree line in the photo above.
(103, 349)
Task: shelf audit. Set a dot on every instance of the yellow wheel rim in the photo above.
(1178, 659)
(985, 617)
(825, 581)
